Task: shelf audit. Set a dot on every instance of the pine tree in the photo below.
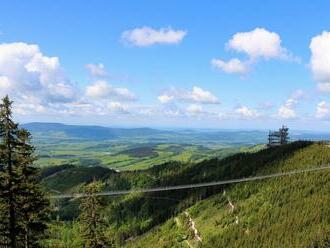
(91, 219)
(33, 205)
(9, 177)
(22, 204)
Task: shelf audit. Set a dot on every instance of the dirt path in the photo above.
(177, 222)
(193, 227)
(232, 206)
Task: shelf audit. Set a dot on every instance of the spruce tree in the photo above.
(33, 205)
(9, 177)
(91, 219)
(22, 204)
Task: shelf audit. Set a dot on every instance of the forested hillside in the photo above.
(289, 210)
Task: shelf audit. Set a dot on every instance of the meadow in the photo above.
(126, 156)
(133, 149)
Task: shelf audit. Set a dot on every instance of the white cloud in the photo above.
(201, 96)
(194, 109)
(258, 43)
(25, 71)
(320, 60)
(165, 98)
(117, 107)
(196, 95)
(147, 36)
(247, 113)
(103, 90)
(30, 105)
(38, 85)
(234, 66)
(287, 110)
(323, 110)
(96, 70)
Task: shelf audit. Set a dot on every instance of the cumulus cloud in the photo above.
(287, 110)
(165, 98)
(323, 110)
(320, 60)
(96, 70)
(196, 95)
(147, 36)
(194, 109)
(28, 105)
(247, 113)
(233, 66)
(26, 71)
(258, 43)
(201, 96)
(38, 85)
(117, 107)
(103, 90)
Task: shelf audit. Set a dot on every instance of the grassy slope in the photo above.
(283, 212)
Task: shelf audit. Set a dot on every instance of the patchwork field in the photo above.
(141, 148)
(120, 156)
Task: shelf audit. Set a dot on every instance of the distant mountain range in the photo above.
(88, 132)
(42, 130)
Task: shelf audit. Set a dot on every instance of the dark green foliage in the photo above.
(140, 213)
(65, 179)
(91, 217)
(51, 170)
(140, 152)
(33, 212)
(290, 211)
(22, 204)
(89, 162)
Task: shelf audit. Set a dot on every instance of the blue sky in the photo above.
(219, 64)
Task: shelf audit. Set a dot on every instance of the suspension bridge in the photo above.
(191, 186)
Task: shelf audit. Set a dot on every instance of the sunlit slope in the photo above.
(291, 211)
